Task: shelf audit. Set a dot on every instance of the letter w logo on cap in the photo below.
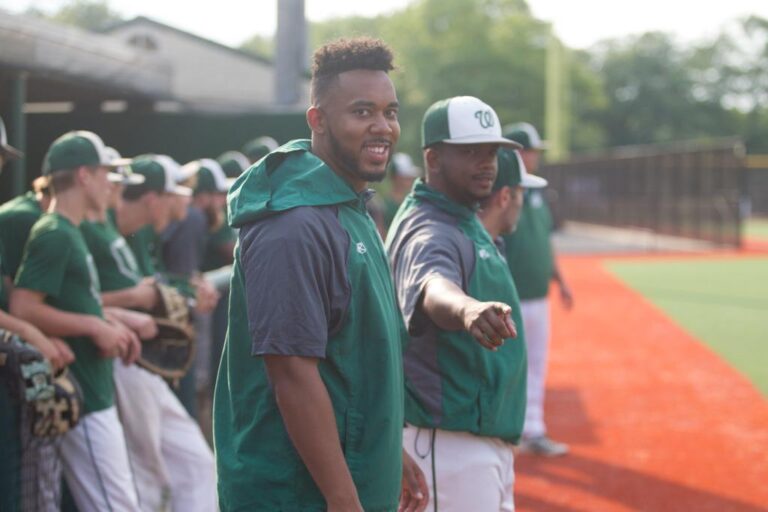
(485, 118)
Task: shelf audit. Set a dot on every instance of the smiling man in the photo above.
(308, 411)
(464, 374)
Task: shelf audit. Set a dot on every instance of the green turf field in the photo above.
(724, 303)
(756, 228)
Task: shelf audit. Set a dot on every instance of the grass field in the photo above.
(724, 303)
(756, 228)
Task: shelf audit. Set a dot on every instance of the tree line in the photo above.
(638, 89)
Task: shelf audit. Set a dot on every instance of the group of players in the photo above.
(355, 374)
(80, 256)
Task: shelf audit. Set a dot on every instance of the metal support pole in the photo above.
(290, 55)
(17, 132)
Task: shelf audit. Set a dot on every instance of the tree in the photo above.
(94, 15)
(492, 49)
(263, 46)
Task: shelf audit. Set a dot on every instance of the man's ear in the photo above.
(502, 197)
(432, 159)
(83, 174)
(316, 119)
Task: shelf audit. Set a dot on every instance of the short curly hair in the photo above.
(336, 57)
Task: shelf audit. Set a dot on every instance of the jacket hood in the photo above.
(288, 177)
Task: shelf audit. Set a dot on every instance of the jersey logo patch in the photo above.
(484, 255)
(361, 248)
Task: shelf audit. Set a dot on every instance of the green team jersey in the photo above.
(57, 263)
(451, 381)
(145, 245)
(310, 279)
(17, 217)
(529, 249)
(113, 257)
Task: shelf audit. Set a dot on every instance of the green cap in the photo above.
(6, 149)
(206, 175)
(161, 173)
(512, 172)
(526, 134)
(234, 163)
(259, 148)
(462, 120)
(76, 149)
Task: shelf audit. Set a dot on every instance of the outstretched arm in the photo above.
(451, 309)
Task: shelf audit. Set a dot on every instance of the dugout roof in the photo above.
(68, 64)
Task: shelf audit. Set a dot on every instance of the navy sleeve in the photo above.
(432, 251)
(297, 288)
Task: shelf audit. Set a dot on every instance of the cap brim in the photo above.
(485, 139)
(11, 151)
(125, 179)
(115, 177)
(180, 190)
(533, 181)
(120, 162)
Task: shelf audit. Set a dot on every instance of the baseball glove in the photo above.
(171, 305)
(171, 352)
(54, 405)
(60, 413)
(26, 372)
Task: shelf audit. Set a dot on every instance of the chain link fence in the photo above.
(694, 191)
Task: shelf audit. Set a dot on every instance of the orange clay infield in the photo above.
(654, 419)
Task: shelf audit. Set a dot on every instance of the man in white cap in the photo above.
(532, 262)
(464, 371)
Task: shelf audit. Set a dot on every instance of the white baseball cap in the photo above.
(462, 120)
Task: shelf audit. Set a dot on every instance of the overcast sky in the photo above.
(579, 23)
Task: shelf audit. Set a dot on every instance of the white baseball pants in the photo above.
(172, 463)
(536, 322)
(472, 472)
(95, 463)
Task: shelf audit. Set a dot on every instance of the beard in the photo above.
(351, 163)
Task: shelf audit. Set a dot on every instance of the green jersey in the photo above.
(57, 263)
(529, 249)
(114, 260)
(310, 279)
(145, 247)
(451, 381)
(17, 217)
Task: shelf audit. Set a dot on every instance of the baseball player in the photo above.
(16, 452)
(17, 217)
(183, 250)
(308, 407)
(57, 290)
(464, 372)
(532, 261)
(171, 461)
